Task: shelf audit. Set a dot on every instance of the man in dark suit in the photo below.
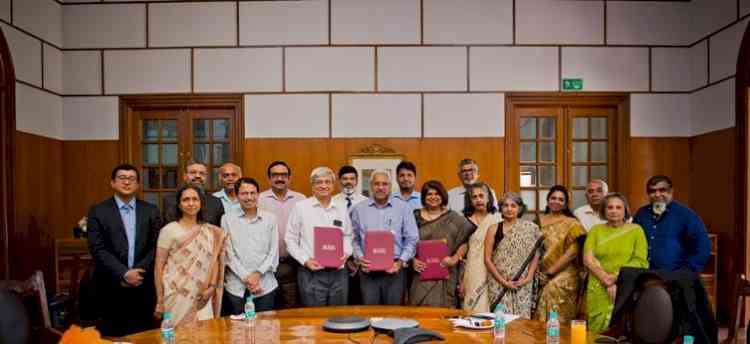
(196, 174)
(122, 234)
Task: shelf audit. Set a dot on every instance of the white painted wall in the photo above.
(265, 49)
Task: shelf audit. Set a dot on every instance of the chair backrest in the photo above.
(740, 290)
(34, 296)
(653, 316)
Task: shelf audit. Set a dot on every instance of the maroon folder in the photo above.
(432, 253)
(379, 249)
(329, 246)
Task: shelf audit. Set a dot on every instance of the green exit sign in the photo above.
(572, 84)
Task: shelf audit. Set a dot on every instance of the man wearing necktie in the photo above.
(348, 178)
(122, 232)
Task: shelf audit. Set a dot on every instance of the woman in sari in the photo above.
(437, 222)
(608, 248)
(482, 213)
(508, 249)
(559, 267)
(189, 269)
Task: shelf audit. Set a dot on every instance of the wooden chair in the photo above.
(34, 295)
(740, 290)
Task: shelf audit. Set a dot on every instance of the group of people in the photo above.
(205, 253)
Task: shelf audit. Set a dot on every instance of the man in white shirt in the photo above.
(319, 286)
(588, 214)
(228, 175)
(348, 179)
(468, 173)
(252, 252)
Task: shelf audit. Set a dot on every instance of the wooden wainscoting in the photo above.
(436, 158)
(659, 155)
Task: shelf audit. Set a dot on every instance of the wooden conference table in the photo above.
(304, 325)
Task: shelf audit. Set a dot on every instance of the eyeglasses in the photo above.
(323, 182)
(279, 175)
(126, 179)
(467, 171)
(654, 190)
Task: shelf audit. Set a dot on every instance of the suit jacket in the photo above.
(213, 210)
(108, 242)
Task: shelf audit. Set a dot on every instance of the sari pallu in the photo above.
(193, 263)
(509, 257)
(561, 292)
(475, 272)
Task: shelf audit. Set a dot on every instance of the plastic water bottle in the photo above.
(167, 329)
(687, 340)
(250, 318)
(498, 331)
(553, 328)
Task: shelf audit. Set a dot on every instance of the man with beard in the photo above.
(677, 238)
(383, 212)
(468, 173)
(348, 178)
(122, 233)
(279, 200)
(196, 174)
(322, 286)
(406, 176)
(588, 214)
(229, 173)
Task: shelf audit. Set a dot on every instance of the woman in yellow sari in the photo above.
(559, 268)
(608, 248)
(189, 269)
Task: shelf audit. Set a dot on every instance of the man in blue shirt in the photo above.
(382, 212)
(677, 238)
(406, 176)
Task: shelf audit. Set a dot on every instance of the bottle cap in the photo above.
(687, 340)
(552, 315)
(167, 316)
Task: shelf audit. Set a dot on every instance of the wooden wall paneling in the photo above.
(38, 206)
(7, 153)
(86, 176)
(436, 158)
(713, 191)
(650, 156)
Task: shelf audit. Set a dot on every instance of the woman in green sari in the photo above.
(608, 248)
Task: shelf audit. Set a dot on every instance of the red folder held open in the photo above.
(379, 249)
(329, 246)
(432, 253)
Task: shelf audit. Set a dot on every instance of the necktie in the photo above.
(348, 202)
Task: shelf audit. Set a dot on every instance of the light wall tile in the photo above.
(279, 115)
(238, 70)
(91, 118)
(648, 23)
(147, 71)
(284, 22)
(699, 64)
(375, 22)
(376, 115)
(192, 24)
(464, 115)
(671, 69)
(660, 115)
(513, 68)
(38, 112)
(82, 72)
(708, 16)
(559, 22)
(607, 69)
(468, 21)
(104, 26)
(330, 69)
(26, 52)
(42, 18)
(5, 10)
(724, 48)
(53, 75)
(422, 69)
(714, 108)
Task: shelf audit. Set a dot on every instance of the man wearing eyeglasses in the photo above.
(677, 238)
(279, 200)
(468, 173)
(122, 233)
(196, 174)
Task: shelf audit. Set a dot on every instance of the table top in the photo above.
(304, 325)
